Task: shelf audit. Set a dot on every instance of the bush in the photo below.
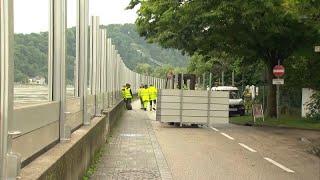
(314, 107)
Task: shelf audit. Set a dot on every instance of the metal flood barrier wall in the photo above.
(101, 72)
(193, 107)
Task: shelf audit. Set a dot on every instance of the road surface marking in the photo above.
(226, 135)
(247, 147)
(279, 165)
(214, 129)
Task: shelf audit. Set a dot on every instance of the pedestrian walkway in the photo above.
(132, 151)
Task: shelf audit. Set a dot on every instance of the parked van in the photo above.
(236, 103)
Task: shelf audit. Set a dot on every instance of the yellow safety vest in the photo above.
(127, 93)
(153, 93)
(144, 93)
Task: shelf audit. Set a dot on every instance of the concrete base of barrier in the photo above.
(71, 159)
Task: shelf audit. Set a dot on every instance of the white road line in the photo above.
(226, 135)
(214, 129)
(247, 147)
(279, 165)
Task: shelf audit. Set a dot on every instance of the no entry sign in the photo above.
(278, 70)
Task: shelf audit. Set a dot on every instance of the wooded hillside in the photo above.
(31, 52)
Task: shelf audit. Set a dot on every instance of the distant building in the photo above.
(38, 80)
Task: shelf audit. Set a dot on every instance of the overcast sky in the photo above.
(33, 15)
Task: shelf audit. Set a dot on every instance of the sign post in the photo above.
(278, 71)
(210, 81)
(257, 111)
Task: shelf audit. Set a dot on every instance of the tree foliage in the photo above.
(135, 50)
(314, 106)
(267, 32)
(31, 53)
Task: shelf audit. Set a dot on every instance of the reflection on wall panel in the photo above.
(29, 118)
(34, 141)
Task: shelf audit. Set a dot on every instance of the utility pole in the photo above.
(278, 96)
(210, 80)
(204, 81)
(233, 78)
(222, 77)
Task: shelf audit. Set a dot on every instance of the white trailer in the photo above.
(193, 107)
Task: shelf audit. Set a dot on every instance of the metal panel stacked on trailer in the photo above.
(193, 107)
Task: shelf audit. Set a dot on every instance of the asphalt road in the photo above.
(237, 152)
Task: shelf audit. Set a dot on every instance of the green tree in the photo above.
(245, 73)
(31, 52)
(268, 31)
(144, 69)
(162, 71)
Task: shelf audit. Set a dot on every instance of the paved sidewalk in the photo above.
(132, 151)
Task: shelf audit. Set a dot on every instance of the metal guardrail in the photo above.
(97, 85)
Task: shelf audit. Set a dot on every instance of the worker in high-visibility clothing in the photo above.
(128, 96)
(247, 96)
(153, 97)
(145, 96)
(123, 92)
(139, 95)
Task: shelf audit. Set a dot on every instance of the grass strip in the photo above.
(96, 160)
(287, 122)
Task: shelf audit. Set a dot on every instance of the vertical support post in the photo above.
(204, 81)
(181, 99)
(90, 75)
(50, 49)
(94, 58)
(82, 51)
(6, 79)
(222, 77)
(209, 108)
(278, 96)
(98, 72)
(57, 59)
(116, 75)
(109, 74)
(76, 64)
(113, 73)
(278, 101)
(101, 68)
(210, 81)
(104, 68)
(233, 78)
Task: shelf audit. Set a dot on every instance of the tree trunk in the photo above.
(272, 92)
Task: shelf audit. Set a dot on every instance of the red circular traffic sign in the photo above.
(278, 70)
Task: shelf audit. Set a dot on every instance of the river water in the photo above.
(25, 95)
